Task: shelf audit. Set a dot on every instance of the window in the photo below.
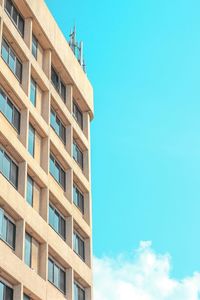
(77, 155)
(77, 114)
(31, 140)
(15, 16)
(6, 293)
(34, 46)
(56, 275)
(79, 292)
(58, 84)
(78, 198)
(9, 110)
(11, 59)
(8, 168)
(28, 249)
(57, 221)
(79, 245)
(58, 127)
(33, 91)
(29, 192)
(25, 297)
(57, 171)
(7, 229)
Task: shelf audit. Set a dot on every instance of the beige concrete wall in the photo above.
(52, 48)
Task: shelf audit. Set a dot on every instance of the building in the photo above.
(46, 105)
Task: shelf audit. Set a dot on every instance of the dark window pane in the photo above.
(8, 293)
(9, 6)
(33, 92)
(11, 61)
(62, 281)
(16, 119)
(52, 165)
(57, 172)
(63, 91)
(15, 15)
(34, 46)
(29, 193)
(55, 78)
(11, 234)
(63, 133)
(2, 101)
(56, 276)
(25, 297)
(62, 227)
(78, 115)
(57, 126)
(28, 242)
(9, 111)
(5, 51)
(50, 270)
(14, 174)
(1, 160)
(21, 25)
(56, 221)
(31, 140)
(5, 228)
(18, 72)
(1, 222)
(51, 216)
(62, 178)
(6, 166)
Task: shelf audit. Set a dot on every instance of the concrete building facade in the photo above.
(46, 106)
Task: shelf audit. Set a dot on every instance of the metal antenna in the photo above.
(77, 48)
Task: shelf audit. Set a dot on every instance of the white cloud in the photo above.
(144, 276)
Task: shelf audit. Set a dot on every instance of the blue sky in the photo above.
(143, 58)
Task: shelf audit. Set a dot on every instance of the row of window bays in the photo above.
(56, 274)
(16, 60)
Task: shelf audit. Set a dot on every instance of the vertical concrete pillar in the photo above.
(69, 139)
(86, 124)
(69, 97)
(69, 185)
(87, 212)
(44, 204)
(22, 178)
(46, 106)
(88, 293)
(26, 74)
(69, 231)
(20, 237)
(28, 32)
(47, 63)
(18, 292)
(43, 263)
(88, 252)
(45, 154)
(24, 127)
(70, 284)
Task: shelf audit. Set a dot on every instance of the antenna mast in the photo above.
(77, 48)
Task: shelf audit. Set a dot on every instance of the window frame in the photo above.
(12, 162)
(61, 125)
(14, 108)
(33, 131)
(18, 16)
(60, 84)
(60, 169)
(31, 241)
(55, 263)
(81, 208)
(17, 59)
(33, 83)
(6, 286)
(34, 43)
(80, 164)
(61, 216)
(9, 220)
(79, 287)
(80, 238)
(76, 109)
